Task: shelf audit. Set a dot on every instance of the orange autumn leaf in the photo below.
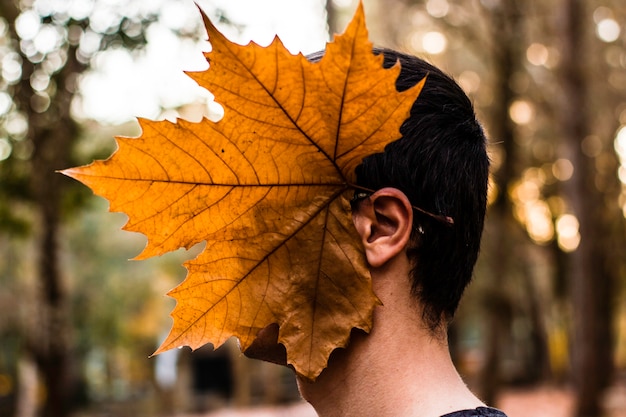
(267, 189)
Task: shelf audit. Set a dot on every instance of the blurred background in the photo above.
(542, 328)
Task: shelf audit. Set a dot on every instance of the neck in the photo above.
(400, 368)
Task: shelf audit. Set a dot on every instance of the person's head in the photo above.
(440, 163)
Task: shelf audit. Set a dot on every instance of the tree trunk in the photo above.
(51, 131)
(52, 348)
(505, 24)
(590, 285)
(331, 19)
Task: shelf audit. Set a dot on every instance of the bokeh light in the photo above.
(5, 148)
(563, 169)
(437, 8)
(537, 54)
(16, 125)
(469, 81)
(434, 42)
(5, 103)
(539, 222)
(608, 30)
(530, 208)
(12, 68)
(521, 112)
(27, 25)
(568, 236)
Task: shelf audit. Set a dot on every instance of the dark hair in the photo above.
(441, 164)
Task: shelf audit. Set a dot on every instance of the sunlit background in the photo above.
(548, 298)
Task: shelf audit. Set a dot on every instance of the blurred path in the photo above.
(557, 402)
(543, 401)
(295, 410)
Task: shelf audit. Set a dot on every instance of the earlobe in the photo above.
(384, 222)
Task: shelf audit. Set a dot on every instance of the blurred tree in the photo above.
(44, 52)
(504, 23)
(592, 267)
(331, 18)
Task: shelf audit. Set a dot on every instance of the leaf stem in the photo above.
(439, 217)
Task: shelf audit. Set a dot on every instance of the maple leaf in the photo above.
(267, 189)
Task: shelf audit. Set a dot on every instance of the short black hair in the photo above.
(441, 164)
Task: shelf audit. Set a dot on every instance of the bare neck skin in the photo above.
(400, 369)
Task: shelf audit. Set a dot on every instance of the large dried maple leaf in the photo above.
(266, 188)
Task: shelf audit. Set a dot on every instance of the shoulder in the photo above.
(477, 412)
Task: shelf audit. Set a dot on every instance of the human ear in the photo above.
(384, 222)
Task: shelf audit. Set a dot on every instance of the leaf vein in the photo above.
(285, 112)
